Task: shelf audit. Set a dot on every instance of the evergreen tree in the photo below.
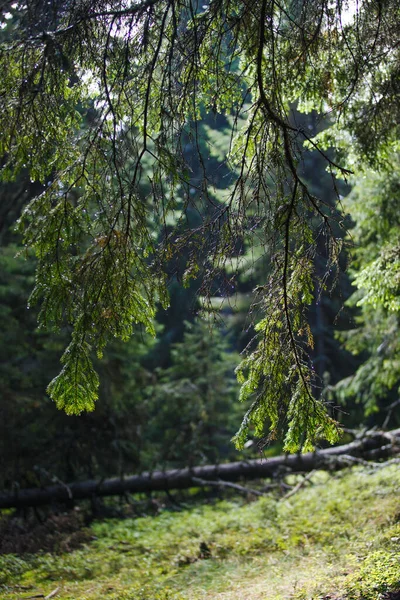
(373, 204)
(191, 407)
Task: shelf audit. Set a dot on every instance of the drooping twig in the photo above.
(389, 409)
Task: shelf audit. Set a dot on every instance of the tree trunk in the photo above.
(373, 446)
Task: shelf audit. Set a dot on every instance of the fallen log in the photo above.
(374, 445)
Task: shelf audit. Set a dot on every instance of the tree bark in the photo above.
(374, 445)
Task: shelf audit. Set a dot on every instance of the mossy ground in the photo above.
(337, 538)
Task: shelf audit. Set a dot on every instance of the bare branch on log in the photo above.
(235, 486)
(299, 485)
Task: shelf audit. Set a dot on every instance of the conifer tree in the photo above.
(373, 204)
(191, 407)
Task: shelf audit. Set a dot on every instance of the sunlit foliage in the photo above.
(97, 99)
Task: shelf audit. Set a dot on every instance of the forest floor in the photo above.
(337, 538)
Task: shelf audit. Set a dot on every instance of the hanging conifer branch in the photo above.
(97, 102)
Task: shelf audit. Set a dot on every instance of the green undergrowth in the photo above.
(337, 537)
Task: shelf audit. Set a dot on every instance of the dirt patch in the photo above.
(54, 533)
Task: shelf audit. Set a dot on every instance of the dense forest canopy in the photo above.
(103, 107)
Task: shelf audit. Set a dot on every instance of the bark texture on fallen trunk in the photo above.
(373, 445)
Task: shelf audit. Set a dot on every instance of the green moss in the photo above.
(338, 536)
(379, 573)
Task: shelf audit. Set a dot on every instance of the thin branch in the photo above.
(299, 485)
(220, 483)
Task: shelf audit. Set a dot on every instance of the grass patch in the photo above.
(340, 537)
